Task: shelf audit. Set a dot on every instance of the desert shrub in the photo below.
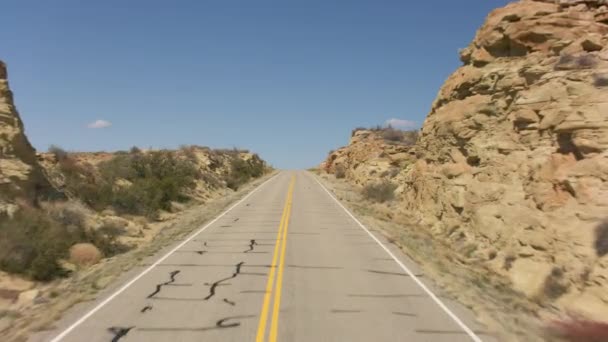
(156, 179)
(189, 152)
(58, 152)
(79, 179)
(601, 239)
(340, 172)
(392, 134)
(32, 244)
(379, 192)
(143, 183)
(33, 241)
(106, 239)
(571, 62)
(69, 214)
(241, 171)
(554, 286)
(600, 80)
(135, 150)
(151, 181)
(211, 179)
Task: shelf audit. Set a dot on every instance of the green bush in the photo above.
(340, 172)
(241, 171)
(33, 241)
(156, 179)
(58, 152)
(106, 239)
(32, 244)
(379, 192)
(143, 183)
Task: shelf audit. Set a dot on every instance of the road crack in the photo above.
(159, 286)
(119, 332)
(251, 244)
(219, 282)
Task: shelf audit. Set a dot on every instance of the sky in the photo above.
(286, 79)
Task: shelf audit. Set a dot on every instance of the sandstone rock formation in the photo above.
(513, 156)
(369, 156)
(20, 175)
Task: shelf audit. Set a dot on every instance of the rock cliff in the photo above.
(513, 156)
(21, 177)
(369, 155)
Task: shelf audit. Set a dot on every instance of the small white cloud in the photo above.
(400, 123)
(99, 124)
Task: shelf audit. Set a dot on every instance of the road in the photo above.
(286, 263)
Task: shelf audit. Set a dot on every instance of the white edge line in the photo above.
(407, 270)
(156, 263)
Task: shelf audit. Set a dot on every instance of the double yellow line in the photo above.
(280, 245)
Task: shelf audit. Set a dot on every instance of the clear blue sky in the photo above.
(286, 79)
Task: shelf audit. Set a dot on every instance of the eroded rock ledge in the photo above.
(513, 155)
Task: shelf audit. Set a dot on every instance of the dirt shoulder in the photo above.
(47, 302)
(506, 313)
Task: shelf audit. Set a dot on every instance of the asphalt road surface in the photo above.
(286, 263)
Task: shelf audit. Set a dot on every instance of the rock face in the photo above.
(20, 175)
(513, 156)
(368, 156)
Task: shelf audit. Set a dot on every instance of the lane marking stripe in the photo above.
(274, 325)
(156, 263)
(407, 270)
(261, 332)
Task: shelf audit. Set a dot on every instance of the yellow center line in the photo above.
(261, 332)
(274, 325)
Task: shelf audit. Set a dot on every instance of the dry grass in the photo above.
(379, 192)
(84, 254)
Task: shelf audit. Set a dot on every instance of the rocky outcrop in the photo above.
(368, 156)
(21, 178)
(513, 157)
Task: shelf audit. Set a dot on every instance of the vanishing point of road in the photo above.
(286, 263)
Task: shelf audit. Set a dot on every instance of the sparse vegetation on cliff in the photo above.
(143, 183)
(241, 171)
(391, 134)
(380, 192)
(33, 241)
